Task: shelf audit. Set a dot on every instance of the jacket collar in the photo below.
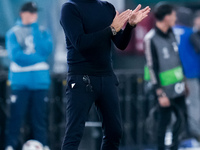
(19, 23)
(162, 33)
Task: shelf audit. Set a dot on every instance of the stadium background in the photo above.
(128, 66)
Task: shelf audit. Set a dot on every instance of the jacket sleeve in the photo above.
(16, 53)
(122, 39)
(195, 41)
(43, 43)
(73, 27)
(152, 62)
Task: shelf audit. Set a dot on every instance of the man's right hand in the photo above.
(164, 101)
(120, 19)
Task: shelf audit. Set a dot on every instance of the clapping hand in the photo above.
(133, 17)
(121, 19)
(138, 15)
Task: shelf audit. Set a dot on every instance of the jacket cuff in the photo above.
(157, 86)
(130, 26)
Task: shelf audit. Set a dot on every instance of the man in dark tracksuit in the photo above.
(166, 73)
(90, 26)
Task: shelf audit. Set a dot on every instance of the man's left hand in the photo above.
(138, 15)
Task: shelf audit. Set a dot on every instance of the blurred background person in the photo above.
(195, 37)
(194, 83)
(28, 47)
(189, 48)
(4, 63)
(166, 74)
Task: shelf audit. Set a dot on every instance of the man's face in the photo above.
(171, 19)
(28, 17)
(197, 23)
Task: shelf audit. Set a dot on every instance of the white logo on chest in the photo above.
(165, 53)
(175, 46)
(30, 47)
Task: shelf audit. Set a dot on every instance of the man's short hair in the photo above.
(163, 9)
(29, 7)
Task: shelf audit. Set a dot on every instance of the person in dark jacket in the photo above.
(165, 69)
(90, 26)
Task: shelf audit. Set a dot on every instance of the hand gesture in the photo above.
(164, 101)
(138, 15)
(162, 98)
(120, 19)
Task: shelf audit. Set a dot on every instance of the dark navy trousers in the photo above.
(79, 101)
(34, 103)
(179, 107)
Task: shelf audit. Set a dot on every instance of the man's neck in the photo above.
(162, 26)
(24, 22)
(27, 22)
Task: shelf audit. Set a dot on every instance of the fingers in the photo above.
(117, 13)
(126, 13)
(137, 8)
(145, 9)
(144, 17)
(121, 19)
(124, 16)
(124, 20)
(144, 12)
